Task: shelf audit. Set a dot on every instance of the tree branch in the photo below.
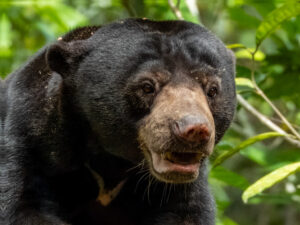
(284, 120)
(175, 9)
(262, 94)
(266, 121)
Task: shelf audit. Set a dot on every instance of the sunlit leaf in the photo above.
(227, 154)
(269, 180)
(5, 36)
(275, 18)
(235, 3)
(243, 84)
(232, 46)
(245, 53)
(241, 81)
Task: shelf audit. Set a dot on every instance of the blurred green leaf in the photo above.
(278, 198)
(67, 20)
(159, 9)
(5, 36)
(271, 159)
(245, 53)
(220, 195)
(275, 18)
(243, 84)
(232, 46)
(224, 145)
(269, 180)
(257, 154)
(227, 154)
(229, 177)
(225, 221)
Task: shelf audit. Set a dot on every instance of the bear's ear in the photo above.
(232, 59)
(63, 57)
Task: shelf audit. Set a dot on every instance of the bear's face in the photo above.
(156, 91)
(179, 131)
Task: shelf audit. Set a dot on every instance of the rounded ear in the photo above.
(231, 54)
(232, 57)
(63, 57)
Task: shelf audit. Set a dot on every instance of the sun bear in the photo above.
(113, 125)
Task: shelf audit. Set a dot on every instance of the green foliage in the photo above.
(5, 36)
(254, 81)
(270, 179)
(243, 84)
(229, 178)
(29, 24)
(265, 36)
(274, 20)
(231, 151)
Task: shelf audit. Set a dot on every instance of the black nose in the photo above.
(192, 129)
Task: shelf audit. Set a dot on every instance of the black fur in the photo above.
(67, 107)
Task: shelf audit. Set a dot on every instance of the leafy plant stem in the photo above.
(263, 95)
(263, 119)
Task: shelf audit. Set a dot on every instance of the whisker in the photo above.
(169, 188)
(146, 173)
(140, 164)
(142, 171)
(150, 182)
(163, 194)
(150, 179)
(185, 191)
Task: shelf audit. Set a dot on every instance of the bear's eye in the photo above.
(212, 92)
(148, 88)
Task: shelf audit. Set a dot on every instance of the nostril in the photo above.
(203, 132)
(196, 133)
(193, 131)
(190, 132)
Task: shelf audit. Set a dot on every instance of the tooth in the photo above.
(168, 155)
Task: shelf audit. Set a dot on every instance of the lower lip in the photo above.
(190, 168)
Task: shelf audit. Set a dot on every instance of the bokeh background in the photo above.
(265, 36)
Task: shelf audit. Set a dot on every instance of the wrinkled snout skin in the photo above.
(173, 104)
(158, 135)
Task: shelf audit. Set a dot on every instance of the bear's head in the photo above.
(160, 91)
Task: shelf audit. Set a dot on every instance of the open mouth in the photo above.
(176, 167)
(182, 158)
